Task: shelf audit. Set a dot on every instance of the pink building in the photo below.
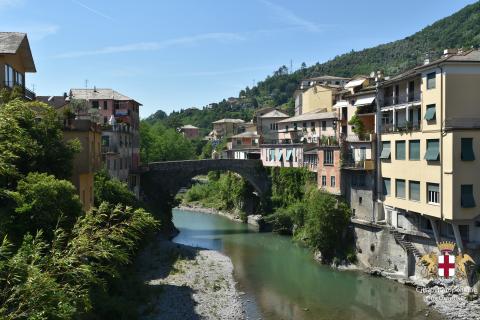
(190, 132)
(120, 119)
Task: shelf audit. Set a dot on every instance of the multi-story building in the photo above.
(88, 160)
(243, 146)
(189, 131)
(15, 60)
(267, 125)
(225, 128)
(317, 96)
(430, 137)
(119, 116)
(325, 80)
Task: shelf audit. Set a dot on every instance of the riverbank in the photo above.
(197, 208)
(188, 283)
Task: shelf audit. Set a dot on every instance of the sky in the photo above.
(172, 55)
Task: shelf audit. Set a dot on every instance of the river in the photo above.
(282, 281)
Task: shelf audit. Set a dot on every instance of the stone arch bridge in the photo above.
(168, 177)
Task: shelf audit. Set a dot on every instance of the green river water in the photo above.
(281, 280)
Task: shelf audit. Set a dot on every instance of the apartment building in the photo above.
(429, 127)
(243, 146)
(88, 160)
(120, 121)
(224, 128)
(16, 60)
(319, 96)
(267, 125)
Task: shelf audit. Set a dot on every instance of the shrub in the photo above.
(111, 190)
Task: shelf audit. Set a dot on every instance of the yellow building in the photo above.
(317, 98)
(15, 60)
(430, 148)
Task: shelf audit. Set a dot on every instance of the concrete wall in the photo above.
(360, 198)
(317, 97)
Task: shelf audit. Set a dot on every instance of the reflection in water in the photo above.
(285, 281)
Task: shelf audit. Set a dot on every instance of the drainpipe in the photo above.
(378, 116)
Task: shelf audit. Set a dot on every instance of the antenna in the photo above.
(86, 83)
(291, 65)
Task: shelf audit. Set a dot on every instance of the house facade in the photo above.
(430, 140)
(15, 61)
(189, 131)
(120, 121)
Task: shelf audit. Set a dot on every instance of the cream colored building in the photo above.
(430, 149)
(318, 97)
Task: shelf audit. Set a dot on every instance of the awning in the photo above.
(355, 83)
(279, 155)
(430, 114)
(289, 155)
(365, 101)
(341, 104)
(385, 151)
(433, 152)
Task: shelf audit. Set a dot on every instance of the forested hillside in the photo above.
(461, 29)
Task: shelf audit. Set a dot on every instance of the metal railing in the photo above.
(406, 127)
(403, 98)
(27, 93)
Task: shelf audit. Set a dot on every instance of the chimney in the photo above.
(449, 52)
(427, 59)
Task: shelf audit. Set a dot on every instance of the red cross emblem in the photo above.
(446, 265)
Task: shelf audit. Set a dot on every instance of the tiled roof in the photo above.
(98, 94)
(311, 116)
(53, 101)
(275, 114)
(188, 126)
(229, 120)
(247, 134)
(17, 42)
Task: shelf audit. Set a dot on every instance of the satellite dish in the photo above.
(372, 74)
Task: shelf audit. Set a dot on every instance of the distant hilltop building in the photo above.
(189, 131)
(225, 128)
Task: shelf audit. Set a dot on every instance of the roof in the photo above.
(275, 114)
(229, 121)
(188, 126)
(246, 134)
(98, 94)
(326, 77)
(311, 116)
(355, 83)
(17, 42)
(54, 101)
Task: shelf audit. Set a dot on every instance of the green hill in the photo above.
(462, 29)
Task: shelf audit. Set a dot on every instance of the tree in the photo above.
(107, 189)
(43, 203)
(31, 139)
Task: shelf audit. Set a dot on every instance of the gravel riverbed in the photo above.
(190, 283)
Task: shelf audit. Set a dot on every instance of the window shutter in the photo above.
(433, 152)
(400, 150)
(467, 199)
(400, 188)
(431, 113)
(467, 149)
(414, 187)
(414, 151)
(385, 150)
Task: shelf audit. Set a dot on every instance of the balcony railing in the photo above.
(366, 164)
(403, 98)
(27, 93)
(355, 138)
(406, 127)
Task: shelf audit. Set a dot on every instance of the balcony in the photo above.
(411, 97)
(27, 93)
(366, 164)
(408, 126)
(368, 137)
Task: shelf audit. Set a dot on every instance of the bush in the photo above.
(43, 203)
(107, 189)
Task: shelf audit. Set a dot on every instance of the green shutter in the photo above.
(467, 199)
(386, 186)
(400, 150)
(414, 150)
(280, 155)
(430, 114)
(289, 155)
(414, 187)
(385, 151)
(272, 154)
(433, 152)
(400, 188)
(467, 149)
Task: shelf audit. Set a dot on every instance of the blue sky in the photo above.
(185, 53)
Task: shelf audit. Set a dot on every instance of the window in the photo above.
(108, 164)
(95, 104)
(105, 105)
(386, 186)
(358, 180)
(385, 150)
(286, 128)
(19, 79)
(312, 124)
(414, 150)
(9, 72)
(467, 149)
(430, 113)
(332, 181)
(116, 105)
(433, 193)
(324, 181)
(467, 199)
(400, 150)
(324, 125)
(425, 224)
(431, 80)
(328, 157)
(400, 188)
(360, 200)
(239, 141)
(105, 141)
(304, 124)
(414, 190)
(433, 152)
